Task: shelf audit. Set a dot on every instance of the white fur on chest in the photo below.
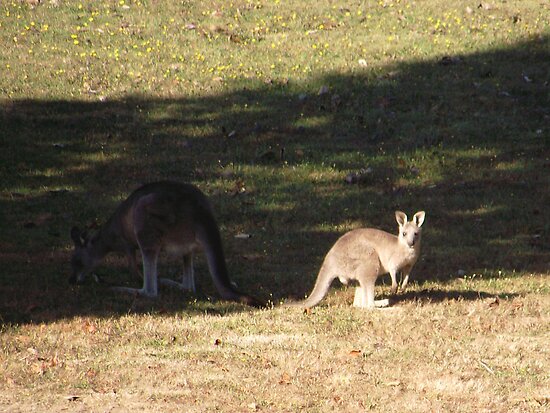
(402, 258)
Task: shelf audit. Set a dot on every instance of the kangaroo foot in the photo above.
(135, 291)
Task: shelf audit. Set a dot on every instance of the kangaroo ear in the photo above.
(401, 218)
(418, 218)
(76, 236)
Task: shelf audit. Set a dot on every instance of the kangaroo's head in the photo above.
(85, 256)
(410, 231)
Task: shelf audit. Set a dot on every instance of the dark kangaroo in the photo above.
(165, 215)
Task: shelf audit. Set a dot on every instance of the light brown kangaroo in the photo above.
(163, 215)
(365, 254)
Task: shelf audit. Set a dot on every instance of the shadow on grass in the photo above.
(468, 142)
(436, 296)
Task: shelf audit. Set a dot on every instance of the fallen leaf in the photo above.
(89, 328)
(252, 257)
(238, 188)
(54, 361)
(234, 38)
(285, 378)
(517, 305)
(91, 373)
(39, 368)
(393, 383)
(217, 342)
(355, 353)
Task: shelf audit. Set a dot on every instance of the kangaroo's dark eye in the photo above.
(404, 234)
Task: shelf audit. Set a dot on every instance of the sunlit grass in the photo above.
(71, 47)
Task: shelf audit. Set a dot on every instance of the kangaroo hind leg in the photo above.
(365, 296)
(150, 276)
(149, 230)
(188, 277)
(394, 285)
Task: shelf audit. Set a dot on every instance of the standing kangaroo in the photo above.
(364, 254)
(162, 215)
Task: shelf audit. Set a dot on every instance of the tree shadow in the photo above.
(467, 142)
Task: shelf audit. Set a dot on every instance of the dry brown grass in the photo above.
(458, 348)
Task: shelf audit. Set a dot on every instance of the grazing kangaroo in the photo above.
(365, 254)
(162, 215)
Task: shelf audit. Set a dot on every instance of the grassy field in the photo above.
(268, 106)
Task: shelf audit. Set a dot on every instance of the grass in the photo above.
(267, 106)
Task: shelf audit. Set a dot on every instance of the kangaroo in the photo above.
(364, 254)
(165, 215)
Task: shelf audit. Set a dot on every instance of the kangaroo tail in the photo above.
(322, 284)
(209, 237)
